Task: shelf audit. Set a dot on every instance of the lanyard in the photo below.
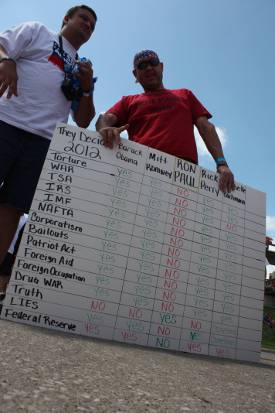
(62, 53)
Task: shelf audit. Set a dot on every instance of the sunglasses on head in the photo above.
(152, 62)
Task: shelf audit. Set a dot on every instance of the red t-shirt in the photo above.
(163, 120)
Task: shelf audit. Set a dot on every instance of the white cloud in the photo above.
(202, 150)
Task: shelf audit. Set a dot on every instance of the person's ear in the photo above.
(135, 74)
(65, 20)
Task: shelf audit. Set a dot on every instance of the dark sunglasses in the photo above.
(152, 62)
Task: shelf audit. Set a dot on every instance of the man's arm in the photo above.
(8, 74)
(85, 112)
(110, 133)
(86, 109)
(209, 135)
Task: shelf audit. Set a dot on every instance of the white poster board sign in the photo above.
(138, 246)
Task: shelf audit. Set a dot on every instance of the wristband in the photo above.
(91, 91)
(2, 59)
(219, 160)
(87, 94)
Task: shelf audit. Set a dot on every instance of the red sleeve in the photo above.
(120, 111)
(197, 108)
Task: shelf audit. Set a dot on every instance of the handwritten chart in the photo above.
(138, 246)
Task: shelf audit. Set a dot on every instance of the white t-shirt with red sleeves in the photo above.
(40, 103)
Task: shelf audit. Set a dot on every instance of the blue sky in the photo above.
(223, 50)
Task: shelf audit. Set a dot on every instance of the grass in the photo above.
(268, 338)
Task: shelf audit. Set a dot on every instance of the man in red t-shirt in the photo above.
(163, 119)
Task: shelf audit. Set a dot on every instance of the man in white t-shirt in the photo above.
(34, 64)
